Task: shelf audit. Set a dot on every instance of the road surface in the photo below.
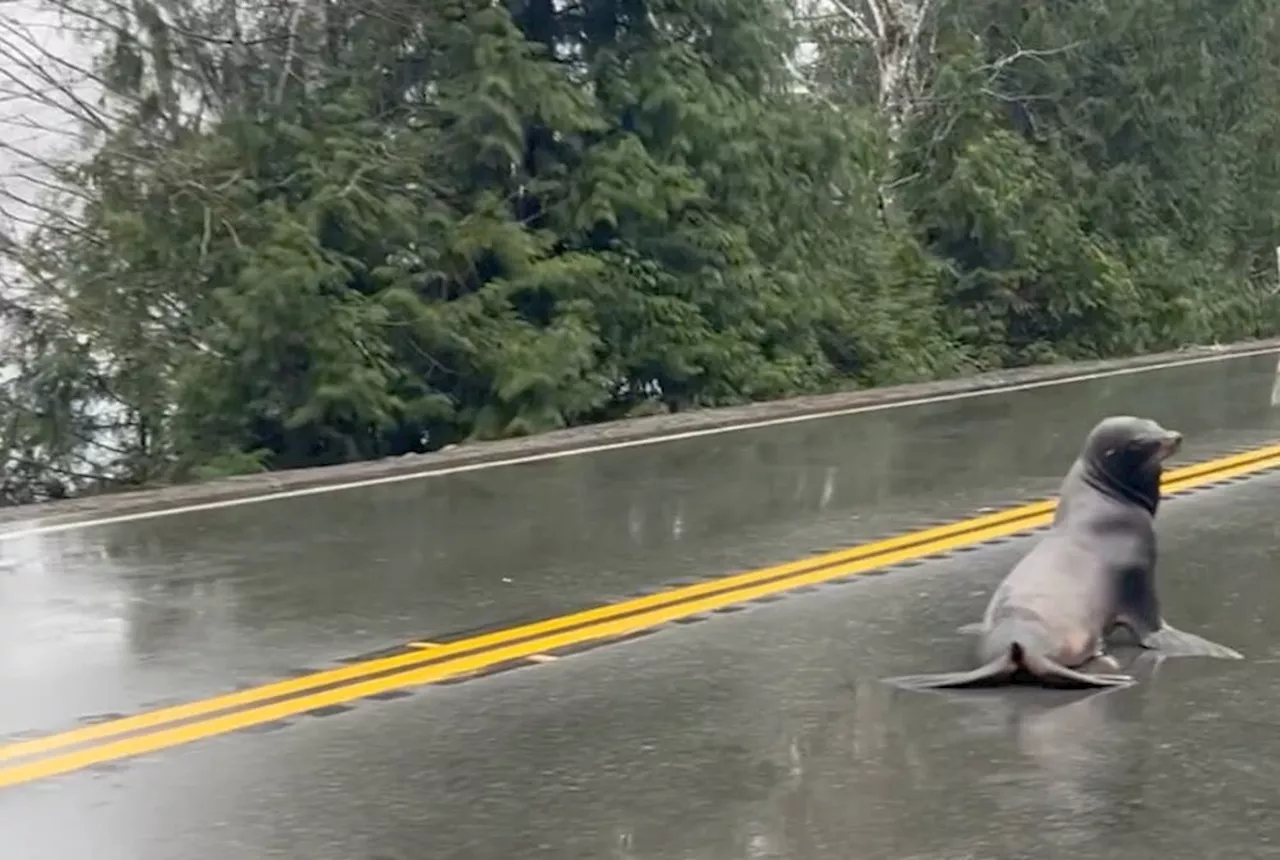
(761, 733)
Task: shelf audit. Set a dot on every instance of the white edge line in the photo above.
(428, 472)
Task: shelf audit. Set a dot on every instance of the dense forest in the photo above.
(302, 232)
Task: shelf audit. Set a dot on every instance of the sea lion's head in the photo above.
(1129, 453)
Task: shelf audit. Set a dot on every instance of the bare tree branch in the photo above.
(858, 20)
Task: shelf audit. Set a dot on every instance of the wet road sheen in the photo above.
(760, 734)
(112, 619)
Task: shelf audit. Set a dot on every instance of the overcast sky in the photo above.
(37, 55)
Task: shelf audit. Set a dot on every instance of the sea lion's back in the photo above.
(1058, 577)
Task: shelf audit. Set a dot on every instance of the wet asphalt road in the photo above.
(761, 734)
(757, 734)
(113, 619)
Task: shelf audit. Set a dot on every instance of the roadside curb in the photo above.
(653, 428)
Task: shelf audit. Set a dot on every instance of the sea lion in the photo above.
(1092, 572)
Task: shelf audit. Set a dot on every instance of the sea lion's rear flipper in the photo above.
(994, 674)
(1000, 672)
(1172, 642)
(1053, 674)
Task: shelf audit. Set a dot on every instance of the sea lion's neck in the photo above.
(1145, 492)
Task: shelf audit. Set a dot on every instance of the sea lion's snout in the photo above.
(1170, 444)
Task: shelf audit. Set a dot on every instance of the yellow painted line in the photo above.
(1022, 517)
(608, 622)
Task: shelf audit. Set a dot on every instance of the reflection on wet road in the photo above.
(757, 734)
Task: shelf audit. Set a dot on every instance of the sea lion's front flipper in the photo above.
(993, 674)
(1123, 633)
(1172, 642)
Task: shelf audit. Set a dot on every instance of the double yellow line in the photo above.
(72, 750)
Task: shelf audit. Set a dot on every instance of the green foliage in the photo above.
(1090, 174)
(310, 236)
